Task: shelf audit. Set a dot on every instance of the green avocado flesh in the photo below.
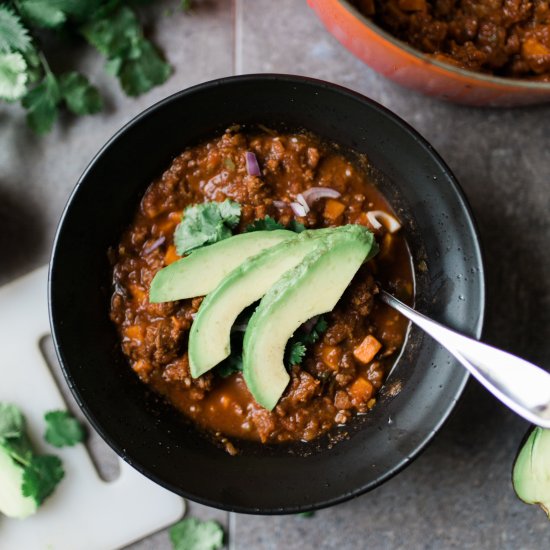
(210, 336)
(531, 474)
(12, 503)
(311, 288)
(201, 271)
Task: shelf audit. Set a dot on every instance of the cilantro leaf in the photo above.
(146, 71)
(193, 534)
(13, 76)
(296, 353)
(13, 35)
(45, 13)
(41, 476)
(298, 345)
(41, 103)
(130, 57)
(295, 226)
(12, 422)
(19, 449)
(80, 96)
(265, 224)
(234, 363)
(115, 35)
(62, 429)
(40, 473)
(206, 223)
(52, 14)
(13, 438)
(318, 329)
(230, 211)
(269, 224)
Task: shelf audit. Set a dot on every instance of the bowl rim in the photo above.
(462, 202)
(405, 46)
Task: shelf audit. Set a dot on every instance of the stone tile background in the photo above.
(458, 493)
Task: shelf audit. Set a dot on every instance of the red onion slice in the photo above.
(298, 209)
(252, 166)
(154, 245)
(300, 198)
(379, 218)
(280, 204)
(314, 193)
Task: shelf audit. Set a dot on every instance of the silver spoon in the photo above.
(520, 385)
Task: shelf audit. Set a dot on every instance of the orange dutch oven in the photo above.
(411, 68)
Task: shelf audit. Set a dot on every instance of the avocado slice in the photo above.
(531, 473)
(12, 502)
(210, 336)
(311, 288)
(201, 271)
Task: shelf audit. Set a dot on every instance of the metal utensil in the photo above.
(520, 385)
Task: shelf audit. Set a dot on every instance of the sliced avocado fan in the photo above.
(201, 271)
(531, 473)
(311, 288)
(210, 336)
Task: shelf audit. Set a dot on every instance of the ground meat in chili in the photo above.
(334, 380)
(509, 38)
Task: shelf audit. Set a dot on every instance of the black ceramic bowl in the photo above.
(150, 435)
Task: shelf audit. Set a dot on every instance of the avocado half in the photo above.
(531, 472)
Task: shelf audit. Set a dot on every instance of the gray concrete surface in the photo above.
(458, 493)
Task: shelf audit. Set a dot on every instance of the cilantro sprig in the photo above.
(269, 224)
(37, 474)
(295, 352)
(40, 474)
(110, 26)
(63, 429)
(303, 338)
(210, 222)
(193, 534)
(205, 224)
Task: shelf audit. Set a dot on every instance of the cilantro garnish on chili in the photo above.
(270, 224)
(206, 223)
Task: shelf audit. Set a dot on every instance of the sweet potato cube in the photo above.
(171, 255)
(537, 55)
(134, 332)
(331, 356)
(534, 48)
(361, 390)
(170, 222)
(138, 293)
(367, 349)
(333, 209)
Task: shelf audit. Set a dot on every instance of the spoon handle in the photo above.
(520, 385)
